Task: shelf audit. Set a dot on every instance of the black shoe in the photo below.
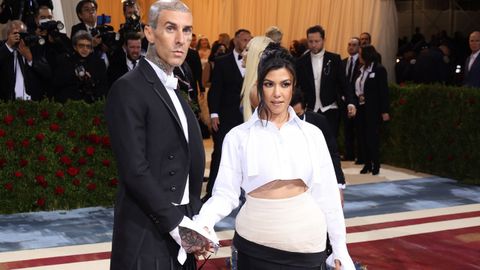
(366, 169)
(376, 169)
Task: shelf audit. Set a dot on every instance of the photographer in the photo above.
(125, 59)
(81, 76)
(19, 10)
(22, 71)
(133, 23)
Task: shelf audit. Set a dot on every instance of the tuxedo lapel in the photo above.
(234, 66)
(309, 67)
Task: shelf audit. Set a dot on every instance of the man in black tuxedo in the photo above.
(126, 58)
(87, 14)
(23, 71)
(158, 147)
(321, 76)
(224, 99)
(472, 65)
(366, 39)
(352, 66)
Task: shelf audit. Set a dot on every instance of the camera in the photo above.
(106, 33)
(87, 85)
(51, 26)
(31, 40)
(80, 72)
(132, 24)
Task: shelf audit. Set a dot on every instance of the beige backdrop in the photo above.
(341, 19)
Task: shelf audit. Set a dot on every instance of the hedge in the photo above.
(58, 156)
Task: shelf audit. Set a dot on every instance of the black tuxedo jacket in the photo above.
(333, 83)
(472, 75)
(118, 66)
(77, 27)
(356, 68)
(187, 83)
(35, 76)
(376, 94)
(153, 160)
(195, 64)
(224, 94)
(321, 122)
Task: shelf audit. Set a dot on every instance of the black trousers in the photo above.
(246, 262)
(369, 131)
(333, 118)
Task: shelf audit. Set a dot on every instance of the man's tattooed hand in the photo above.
(192, 242)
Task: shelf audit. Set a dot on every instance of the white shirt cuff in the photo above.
(342, 186)
(175, 233)
(214, 115)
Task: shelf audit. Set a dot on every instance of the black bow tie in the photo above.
(239, 56)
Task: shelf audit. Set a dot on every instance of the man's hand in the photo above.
(13, 39)
(338, 265)
(193, 242)
(352, 110)
(385, 117)
(215, 123)
(25, 51)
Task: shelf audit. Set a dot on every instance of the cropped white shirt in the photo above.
(256, 152)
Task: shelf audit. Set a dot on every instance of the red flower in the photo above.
(82, 161)
(10, 144)
(90, 150)
(54, 127)
(2, 162)
(30, 121)
(429, 157)
(45, 114)
(96, 121)
(59, 190)
(71, 134)
(72, 171)
(8, 119)
(2, 133)
(106, 163)
(60, 115)
(91, 186)
(40, 137)
(65, 160)
(450, 157)
(23, 162)
(40, 179)
(106, 141)
(60, 174)
(21, 112)
(94, 138)
(41, 202)
(75, 149)
(471, 100)
(90, 173)
(25, 143)
(18, 174)
(8, 186)
(402, 101)
(113, 182)
(42, 158)
(59, 149)
(76, 182)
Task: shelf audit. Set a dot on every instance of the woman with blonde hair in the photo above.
(251, 58)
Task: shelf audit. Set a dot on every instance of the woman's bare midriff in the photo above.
(279, 189)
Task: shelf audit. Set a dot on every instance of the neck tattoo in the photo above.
(153, 56)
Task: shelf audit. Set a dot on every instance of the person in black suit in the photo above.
(126, 58)
(195, 64)
(352, 66)
(472, 65)
(87, 14)
(224, 99)
(81, 76)
(321, 76)
(371, 90)
(366, 39)
(157, 144)
(23, 71)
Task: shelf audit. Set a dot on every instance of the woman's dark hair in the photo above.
(274, 57)
(213, 51)
(369, 54)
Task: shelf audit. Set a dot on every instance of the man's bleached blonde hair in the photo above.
(160, 5)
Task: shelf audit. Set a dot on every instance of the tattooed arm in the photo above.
(193, 242)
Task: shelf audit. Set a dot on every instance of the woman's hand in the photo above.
(338, 265)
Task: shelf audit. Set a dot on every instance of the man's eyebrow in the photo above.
(174, 24)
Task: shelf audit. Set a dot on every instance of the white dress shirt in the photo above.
(360, 82)
(317, 66)
(171, 83)
(20, 91)
(256, 153)
(472, 58)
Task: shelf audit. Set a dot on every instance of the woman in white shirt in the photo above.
(284, 166)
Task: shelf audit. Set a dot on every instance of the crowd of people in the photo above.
(265, 105)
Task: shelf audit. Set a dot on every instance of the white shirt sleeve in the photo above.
(175, 233)
(226, 191)
(326, 193)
